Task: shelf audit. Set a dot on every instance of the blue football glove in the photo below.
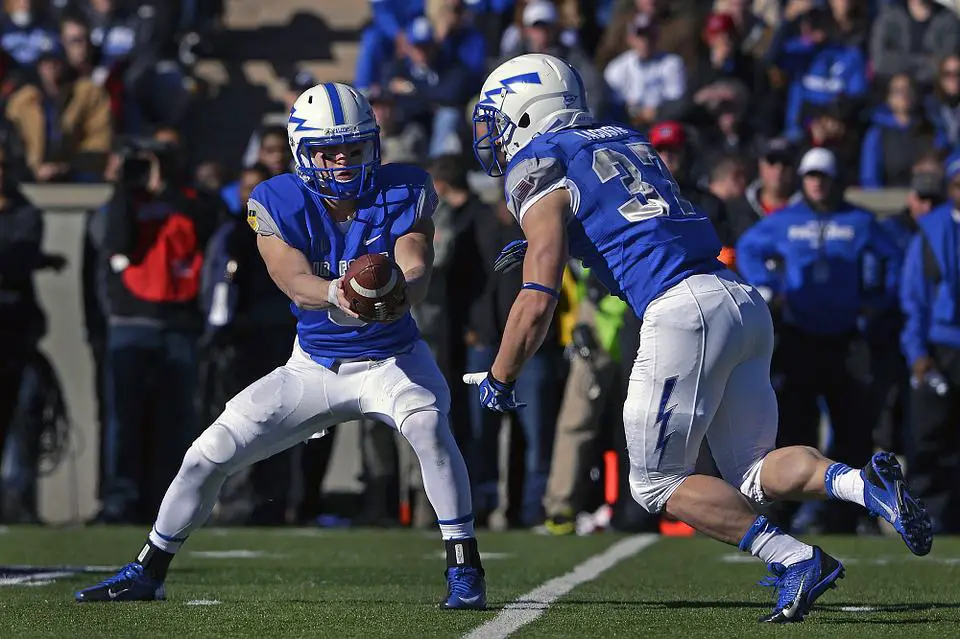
(511, 256)
(494, 395)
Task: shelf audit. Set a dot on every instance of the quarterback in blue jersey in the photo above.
(341, 204)
(601, 194)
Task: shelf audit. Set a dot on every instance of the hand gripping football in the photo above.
(374, 287)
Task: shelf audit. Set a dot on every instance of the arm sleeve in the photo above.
(884, 61)
(754, 247)
(857, 74)
(914, 302)
(531, 178)
(889, 254)
(871, 159)
(427, 203)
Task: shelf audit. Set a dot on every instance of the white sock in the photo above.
(844, 483)
(188, 501)
(771, 545)
(445, 478)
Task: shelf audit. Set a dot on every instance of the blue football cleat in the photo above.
(886, 495)
(132, 583)
(466, 589)
(799, 585)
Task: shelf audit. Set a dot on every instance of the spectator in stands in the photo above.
(821, 290)
(728, 179)
(643, 78)
(770, 192)
(677, 24)
(753, 32)
(943, 105)
(888, 407)
(78, 50)
(910, 37)
(22, 322)
(273, 154)
(822, 71)
(898, 135)
(156, 234)
(133, 46)
(723, 75)
(25, 33)
(457, 36)
(431, 89)
(835, 127)
(385, 38)
(64, 122)
(851, 22)
(672, 143)
(541, 34)
(928, 298)
(399, 141)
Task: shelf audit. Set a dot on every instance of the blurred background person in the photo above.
(772, 190)
(385, 38)
(931, 344)
(155, 237)
(943, 104)
(835, 265)
(909, 37)
(26, 32)
(898, 135)
(643, 78)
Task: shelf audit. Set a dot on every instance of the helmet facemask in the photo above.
(352, 181)
(492, 132)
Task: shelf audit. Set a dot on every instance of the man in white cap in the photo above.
(835, 266)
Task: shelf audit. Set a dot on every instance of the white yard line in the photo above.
(528, 607)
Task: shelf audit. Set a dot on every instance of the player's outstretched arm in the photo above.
(413, 253)
(291, 272)
(544, 224)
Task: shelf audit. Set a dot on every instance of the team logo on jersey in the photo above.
(252, 219)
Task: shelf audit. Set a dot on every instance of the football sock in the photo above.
(155, 561)
(445, 478)
(188, 501)
(844, 483)
(770, 544)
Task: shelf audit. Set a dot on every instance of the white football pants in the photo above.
(702, 369)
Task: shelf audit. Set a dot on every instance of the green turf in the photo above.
(364, 583)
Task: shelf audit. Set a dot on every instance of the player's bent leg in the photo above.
(269, 416)
(447, 484)
(800, 473)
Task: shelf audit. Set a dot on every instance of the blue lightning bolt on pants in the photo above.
(702, 370)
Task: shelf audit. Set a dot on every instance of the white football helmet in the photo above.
(525, 97)
(329, 114)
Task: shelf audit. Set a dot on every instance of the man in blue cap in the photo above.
(929, 296)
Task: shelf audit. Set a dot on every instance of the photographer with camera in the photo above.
(156, 233)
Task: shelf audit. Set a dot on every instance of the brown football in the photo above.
(374, 286)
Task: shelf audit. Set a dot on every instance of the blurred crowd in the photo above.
(767, 112)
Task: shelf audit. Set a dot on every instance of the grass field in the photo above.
(369, 583)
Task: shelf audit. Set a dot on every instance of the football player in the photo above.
(340, 204)
(601, 193)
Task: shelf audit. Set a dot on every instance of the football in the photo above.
(374, 286)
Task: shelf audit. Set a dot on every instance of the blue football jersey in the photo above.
(283, 206)
(630, 223)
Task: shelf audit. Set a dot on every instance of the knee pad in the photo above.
(424, 424)
(652, 490)
(750, 483)
(217, 445)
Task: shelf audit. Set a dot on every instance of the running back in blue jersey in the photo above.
(630, 222)
(283, 206)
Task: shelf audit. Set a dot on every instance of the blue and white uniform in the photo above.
(342, 368)
(706, 338)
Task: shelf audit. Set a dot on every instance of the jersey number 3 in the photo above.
(645, 201)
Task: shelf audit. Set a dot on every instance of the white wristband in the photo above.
(332, 289)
